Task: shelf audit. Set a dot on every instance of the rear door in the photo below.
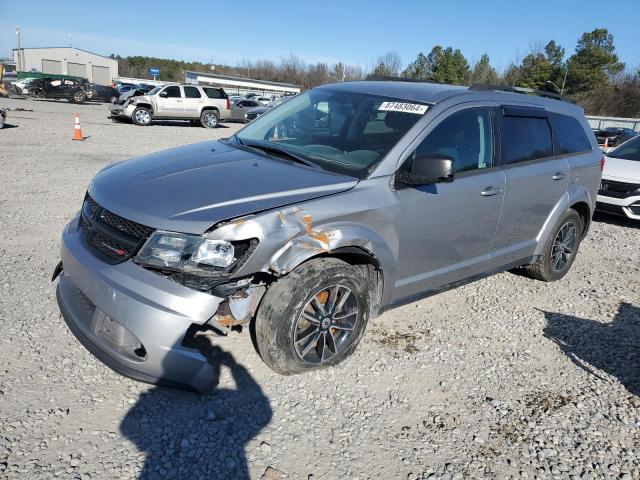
(193, 102)
(536, 180)
(169, 103)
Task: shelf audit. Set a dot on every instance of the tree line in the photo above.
(592, 76)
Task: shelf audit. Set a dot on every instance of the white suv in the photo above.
(207, 105)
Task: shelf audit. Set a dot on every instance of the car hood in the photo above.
(622, 170)
(188, 189)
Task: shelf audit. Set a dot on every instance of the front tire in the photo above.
(560, 250)
(79, 96)
(141, 116)
(209, 119)
(314, 317)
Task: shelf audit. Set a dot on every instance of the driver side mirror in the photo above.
(163, 94)
(429, 168)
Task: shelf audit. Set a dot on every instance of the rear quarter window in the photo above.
(525, 138)
(214, 93)
(569, 134)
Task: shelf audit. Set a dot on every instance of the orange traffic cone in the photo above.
(77, 131)
(275, 137)
(606, 143)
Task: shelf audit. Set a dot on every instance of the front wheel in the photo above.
(560, 250)
(314, 317)
(209, 119)
(79, 96)
(141, 116)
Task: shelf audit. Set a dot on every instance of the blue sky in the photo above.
(355, 32)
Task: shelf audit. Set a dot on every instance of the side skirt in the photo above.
(429, 293)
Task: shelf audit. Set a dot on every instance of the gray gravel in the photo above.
(503, 378)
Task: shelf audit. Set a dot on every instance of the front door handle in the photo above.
(490, 191)
(559, 176)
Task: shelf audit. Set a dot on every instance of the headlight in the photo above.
(188, 253)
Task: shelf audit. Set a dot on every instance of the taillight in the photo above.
(228, 104)
(602, 164)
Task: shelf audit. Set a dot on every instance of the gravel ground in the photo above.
(503, 378)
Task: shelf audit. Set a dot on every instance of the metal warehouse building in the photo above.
(240, 85)
(67, 61)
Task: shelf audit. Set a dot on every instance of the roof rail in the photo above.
(386, 78)
(527, 91)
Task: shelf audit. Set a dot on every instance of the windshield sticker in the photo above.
(403, 107)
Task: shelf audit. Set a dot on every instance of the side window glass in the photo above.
(525, 138)
(191, 92)
(570, 134)
(212, 93)
(173, 92)
(465, 136)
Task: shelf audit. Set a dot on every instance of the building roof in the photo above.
(65, 48)
(241, 79)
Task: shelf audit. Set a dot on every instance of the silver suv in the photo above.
(206, 105)
(345, 201)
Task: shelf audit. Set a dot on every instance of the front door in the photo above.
(242, 107)
(446, 230)
(169, 103)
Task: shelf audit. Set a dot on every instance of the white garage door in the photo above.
(52, 66)
(100, 75)
(77, 69)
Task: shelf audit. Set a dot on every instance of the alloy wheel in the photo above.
(326, 324)
(564, 246)
(142, 116)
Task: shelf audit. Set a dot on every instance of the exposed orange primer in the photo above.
(320, 236)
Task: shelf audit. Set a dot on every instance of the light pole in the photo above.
(19, 66)
(566, 70)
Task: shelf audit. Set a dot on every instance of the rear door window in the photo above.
(525, 138)
(569, 134)
(191, 92)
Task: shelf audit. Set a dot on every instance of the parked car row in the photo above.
(74, 90)
(613, 136)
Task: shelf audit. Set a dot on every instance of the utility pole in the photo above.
(566, 70)
(19, 66)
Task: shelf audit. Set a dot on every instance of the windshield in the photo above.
(627, 151)
(340, 131)
(154, 91)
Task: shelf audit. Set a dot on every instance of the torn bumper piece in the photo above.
(135, 321)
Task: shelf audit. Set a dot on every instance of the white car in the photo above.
(263, 100)
(619, 190)
(22, 85)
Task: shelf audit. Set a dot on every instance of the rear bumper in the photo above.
(106, 306)
(628, 207)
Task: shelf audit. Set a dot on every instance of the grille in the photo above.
(609, 188)
(113, 238)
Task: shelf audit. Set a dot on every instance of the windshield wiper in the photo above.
(272, 148)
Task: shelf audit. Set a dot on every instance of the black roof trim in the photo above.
(385, 78)
(486, 87)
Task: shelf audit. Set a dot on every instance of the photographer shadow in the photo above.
(612, 347)
(184, 435)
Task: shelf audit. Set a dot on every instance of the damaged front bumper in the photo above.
(139, 323)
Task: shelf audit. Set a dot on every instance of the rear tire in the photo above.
(294, 335)
(210, 119)
(560, 250)
(141, 116)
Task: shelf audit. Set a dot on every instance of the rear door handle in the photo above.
(559, 176)
(490, 191)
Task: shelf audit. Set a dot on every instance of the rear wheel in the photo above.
(141, 116)
(560, 250)
(209, 119)
(314, 317)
